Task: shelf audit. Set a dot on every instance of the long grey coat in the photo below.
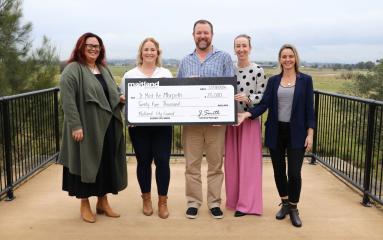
(86, 106)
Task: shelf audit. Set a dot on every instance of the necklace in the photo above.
(94, 69)
(288, 81)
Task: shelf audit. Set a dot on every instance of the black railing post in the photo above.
(368, 158)
(56, 116)
(8, 150)
(316, 109)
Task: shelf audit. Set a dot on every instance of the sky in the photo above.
(325, 31)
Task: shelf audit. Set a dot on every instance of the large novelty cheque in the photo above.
(173, 101)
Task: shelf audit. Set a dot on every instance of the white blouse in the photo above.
(159, 72)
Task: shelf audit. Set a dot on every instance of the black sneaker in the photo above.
(216, 213)
(192, 212)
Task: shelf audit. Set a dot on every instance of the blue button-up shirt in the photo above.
(216, 64)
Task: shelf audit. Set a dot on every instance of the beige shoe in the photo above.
(103, 207)
(86, 212)
(163, 211)
(147, 207)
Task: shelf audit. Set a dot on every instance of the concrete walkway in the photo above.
(329, 210)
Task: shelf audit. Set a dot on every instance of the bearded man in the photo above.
(204, 61)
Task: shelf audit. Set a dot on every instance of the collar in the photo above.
(213, 51)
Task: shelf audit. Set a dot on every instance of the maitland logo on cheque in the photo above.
(144, 84)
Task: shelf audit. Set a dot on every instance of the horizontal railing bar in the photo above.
(29, 94)
(36, 169)
(375, 198)
(340, 174)
(359, 99)
(3, 193)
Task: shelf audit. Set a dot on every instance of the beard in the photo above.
(203, 44)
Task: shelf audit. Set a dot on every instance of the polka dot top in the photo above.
(252, 81)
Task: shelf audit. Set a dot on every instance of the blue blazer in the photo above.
(302, 112)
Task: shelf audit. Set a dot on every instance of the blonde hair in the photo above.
(139, 59)
(292, 48)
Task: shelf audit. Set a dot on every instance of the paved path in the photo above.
(329, 210)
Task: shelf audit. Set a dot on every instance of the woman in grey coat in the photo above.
(93, 147)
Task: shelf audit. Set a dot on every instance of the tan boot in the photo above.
(163, 207)
(86, 212)
(103, 207)
(147, 208)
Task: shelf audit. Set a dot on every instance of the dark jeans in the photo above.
(291, 184)
(152, 142)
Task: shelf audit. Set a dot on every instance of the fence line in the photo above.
(28, 137)
(348, 139)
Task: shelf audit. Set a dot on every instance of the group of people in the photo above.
(93, 148)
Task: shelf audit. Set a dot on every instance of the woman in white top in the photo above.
(151, 142)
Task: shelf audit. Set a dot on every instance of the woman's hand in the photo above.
(309, 140)
(122, 99)
(78, 135)
(242, 117)
(241, 97)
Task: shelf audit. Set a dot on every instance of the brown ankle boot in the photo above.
(103, 207)
(147, 208)
(163, 207)
(86, 212)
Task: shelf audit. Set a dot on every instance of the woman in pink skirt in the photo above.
(243, 145)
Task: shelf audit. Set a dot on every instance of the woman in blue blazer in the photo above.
(289, 126)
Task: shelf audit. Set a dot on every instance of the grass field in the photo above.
(327, 80)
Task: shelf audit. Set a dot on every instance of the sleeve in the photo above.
(180, 73)
(122, 84)
(264, 104)
(228, 67)
(260, 87)
(69, 89)
(310, 115)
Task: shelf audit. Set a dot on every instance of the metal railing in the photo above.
(349, 141)
(29, 136)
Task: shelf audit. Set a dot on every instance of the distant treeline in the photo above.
(360, 65)
(266, 64)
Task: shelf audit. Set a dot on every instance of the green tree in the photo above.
(370, 85)
(44, 66)
(369, 65)
(14, 47)
(20, 67)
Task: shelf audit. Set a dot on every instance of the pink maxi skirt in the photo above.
(243, 167)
